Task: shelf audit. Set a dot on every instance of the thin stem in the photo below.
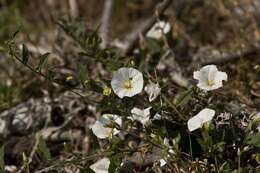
(216, 163)
(239, 160)
(48, 79)
(190, 148)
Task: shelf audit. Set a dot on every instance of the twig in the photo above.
(176, 75)
(90, 157)
(105, 21)
(227, 57)
(74, 11)
(134, 36)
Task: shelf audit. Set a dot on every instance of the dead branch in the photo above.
(133, 38)
(218, 57)
(105, 21)
(74, 10)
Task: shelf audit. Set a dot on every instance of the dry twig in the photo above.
(105, 23)
(218, 57)
(74, 11)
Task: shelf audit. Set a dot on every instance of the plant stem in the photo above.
(190, 148)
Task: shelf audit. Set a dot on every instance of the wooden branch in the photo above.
(74, 10)
(222, 57)
(134, 36)
(105, 21)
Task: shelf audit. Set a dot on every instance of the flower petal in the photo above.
(194, 123)
(143, 116)
(202, 117)
(100, 131)
(153, 90)
(101, 166)
(206, 115)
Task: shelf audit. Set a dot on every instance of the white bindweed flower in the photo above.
(153, 90)
(104, 126)
(101, 166)
(159, 29)
(127, 82)
(210, 78)
(141, 115)
(202, 117)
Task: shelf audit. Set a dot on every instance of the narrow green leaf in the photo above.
(25, 54)
(50, 75)
(112, 166)
(43, 150)
(183, 98)
(43, 61)
(2, 155)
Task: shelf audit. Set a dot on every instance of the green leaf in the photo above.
(225, 168)
(112, 166)
(86, 170)
(43, 61)
(183, 98)
(50, 75)
(25, 54)
(253, 139)
(82, 73)
(43, 150)
(2, 162)
(257, 158)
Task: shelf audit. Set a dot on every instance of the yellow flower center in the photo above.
(106, 91)
(210, 82)
(128, 84)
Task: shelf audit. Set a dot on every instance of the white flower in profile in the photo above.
(153, 90)
(210, 78)
(158, 29)
(105, 126)
(127, 82)
(101, 166)
(141, 115)
(202, 117)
